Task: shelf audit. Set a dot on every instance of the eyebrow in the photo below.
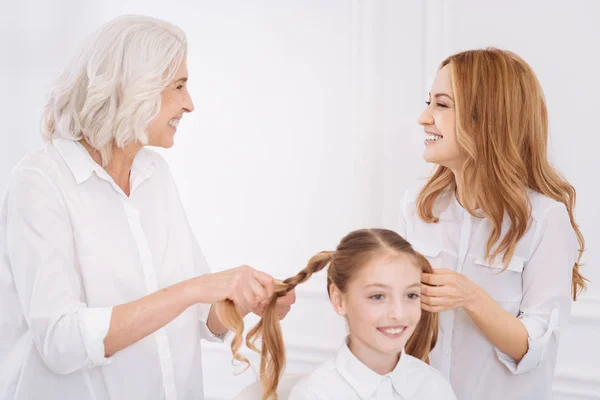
(182, 80)
(416, 284)
(438, 95)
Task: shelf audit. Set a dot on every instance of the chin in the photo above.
(430, 159)
(165, 144)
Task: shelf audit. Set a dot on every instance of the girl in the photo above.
(374, 281)
(496, 222)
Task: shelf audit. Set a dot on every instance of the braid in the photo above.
(268, 328)
(315, 264)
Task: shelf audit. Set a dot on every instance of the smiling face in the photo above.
(175, 101)
(439, 121)
(382, 307)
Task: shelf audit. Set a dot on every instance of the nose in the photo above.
(188, 104)
(396, 310)
(426, 118)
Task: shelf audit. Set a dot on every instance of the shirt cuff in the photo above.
(206, 333)
(539, 333)
(94, 324)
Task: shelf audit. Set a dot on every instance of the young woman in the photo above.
(374, 281)
(496, 222)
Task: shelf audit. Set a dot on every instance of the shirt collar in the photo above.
(82, 165)
(79, 161)
(365, 381)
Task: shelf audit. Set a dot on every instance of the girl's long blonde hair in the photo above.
(354, 251)
(502, 128)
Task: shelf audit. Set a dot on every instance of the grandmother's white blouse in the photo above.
(72, 246)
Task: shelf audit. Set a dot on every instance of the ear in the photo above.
(338, 300)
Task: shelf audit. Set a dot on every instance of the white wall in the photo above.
(305, 128)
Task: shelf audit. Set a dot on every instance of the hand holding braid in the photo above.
(268, 328)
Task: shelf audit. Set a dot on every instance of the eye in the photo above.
(428, 103)
(413, 296)
(442, 105)
(376, 297)
(179, 87)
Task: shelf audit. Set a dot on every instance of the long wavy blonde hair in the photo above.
(354, 251)
(502, 129)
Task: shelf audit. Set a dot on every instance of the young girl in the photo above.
(374, 281)
(496, 222)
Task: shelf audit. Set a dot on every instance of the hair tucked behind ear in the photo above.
(268, 329)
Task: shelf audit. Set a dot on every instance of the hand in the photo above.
(283, 306)
(447, 290)
(246, 287)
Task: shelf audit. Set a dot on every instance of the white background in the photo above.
(305, 129)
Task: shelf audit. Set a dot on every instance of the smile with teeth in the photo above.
(174, 123)
(392, 331)
(432, 137)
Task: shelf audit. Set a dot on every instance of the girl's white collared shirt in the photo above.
(72, 246)
(536, 288)
(347, 378)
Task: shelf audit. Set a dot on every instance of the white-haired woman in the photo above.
(104, 292)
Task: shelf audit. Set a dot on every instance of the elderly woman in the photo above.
(104, 291)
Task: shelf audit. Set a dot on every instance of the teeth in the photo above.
(393, 331)
(174, 123)
(432, 137)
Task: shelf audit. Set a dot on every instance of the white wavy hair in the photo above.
(112, 90)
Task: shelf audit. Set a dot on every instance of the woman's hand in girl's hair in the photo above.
(247, 287)
(447, 290)
(284, 304)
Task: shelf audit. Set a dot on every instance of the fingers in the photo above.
(432, 279)
(282, 311)
(288, 299)
(430, 301)
(439, 277)
(432, 308)
(260, 296)
(265, 280)
(255, 290)
(284, 304)
(437, 291)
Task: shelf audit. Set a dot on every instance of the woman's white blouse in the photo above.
(347, 378)
(536, 288)
(72, 246)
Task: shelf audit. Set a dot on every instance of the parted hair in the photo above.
(354, 251)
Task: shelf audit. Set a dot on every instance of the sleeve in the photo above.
(67, 334)
(546, 303)
(202, 268)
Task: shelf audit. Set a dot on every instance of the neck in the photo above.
(119, 166)
(381, 363)
(459, 185)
